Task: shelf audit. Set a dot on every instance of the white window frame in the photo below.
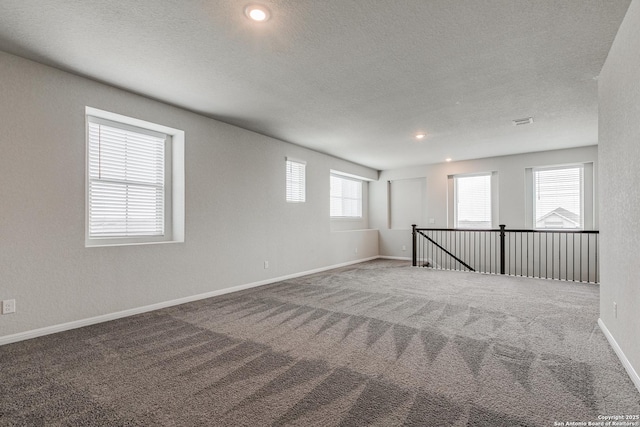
(173, 183)
(491, 198)
(346, 177)
(534, 197)
(295, 186)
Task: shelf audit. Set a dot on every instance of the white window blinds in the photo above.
(558, 197)
(126, 180)
(473, 201)
(345, 197)
(295, 181)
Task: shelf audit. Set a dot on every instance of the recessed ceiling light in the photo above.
(257, 12)
(420, 135)
(448, 159)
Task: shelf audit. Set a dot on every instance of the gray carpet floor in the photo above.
(378, 343)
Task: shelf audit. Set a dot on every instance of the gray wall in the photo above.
(619, 153)
(512, 202)
(236, 214)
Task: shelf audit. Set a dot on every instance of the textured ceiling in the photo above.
(351, 78)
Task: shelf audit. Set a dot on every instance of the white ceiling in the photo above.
(351, 78)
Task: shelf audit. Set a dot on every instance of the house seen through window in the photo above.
(558, 197)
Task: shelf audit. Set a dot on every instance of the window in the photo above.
(558, 197)
(472, 201)
(131, 168)
(295, 181)
(345, 196)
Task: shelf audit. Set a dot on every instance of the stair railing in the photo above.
(552, 254)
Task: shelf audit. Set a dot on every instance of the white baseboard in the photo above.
(400, 258)
(21, 336)
(625, 362)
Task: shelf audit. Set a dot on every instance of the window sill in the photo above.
(352, 231)
(111, 242)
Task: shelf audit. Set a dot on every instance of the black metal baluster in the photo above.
(452, 244)
(413, 249)
(421, 250)
(588, 258)
(527, 254)
(453, 263)
(484, 246)
(434, 250)
(502, 235)
(429, 251)
(445, 262)
(487, 248)
(433, 261)
(539, 255)
(424, 251)
(573, 258)
(492, 244)
(432, 255)
(455, 249)
(443, 238)
(546, 256)
(553, 255)
(431, 248)
(465, 250)
(470, 247)
(418, 254)
(415, 257)
(450, 247)
(513, 253)
(566, 257)
(581, 257)
(438, 239)
(508, 250)
(533, 255)
(597, 279)
(475, 254)
(497, 255)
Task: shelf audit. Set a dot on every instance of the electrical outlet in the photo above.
(355, 251)
(8, 306)
(432, 220)
(404, 247)
(615, 310)
(266, 264)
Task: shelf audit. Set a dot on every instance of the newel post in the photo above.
(502, 234)
(414, 257)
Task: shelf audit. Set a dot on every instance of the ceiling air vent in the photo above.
(525, 121)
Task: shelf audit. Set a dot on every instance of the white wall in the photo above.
(511, 198)
(619, 154)
(236, 214)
